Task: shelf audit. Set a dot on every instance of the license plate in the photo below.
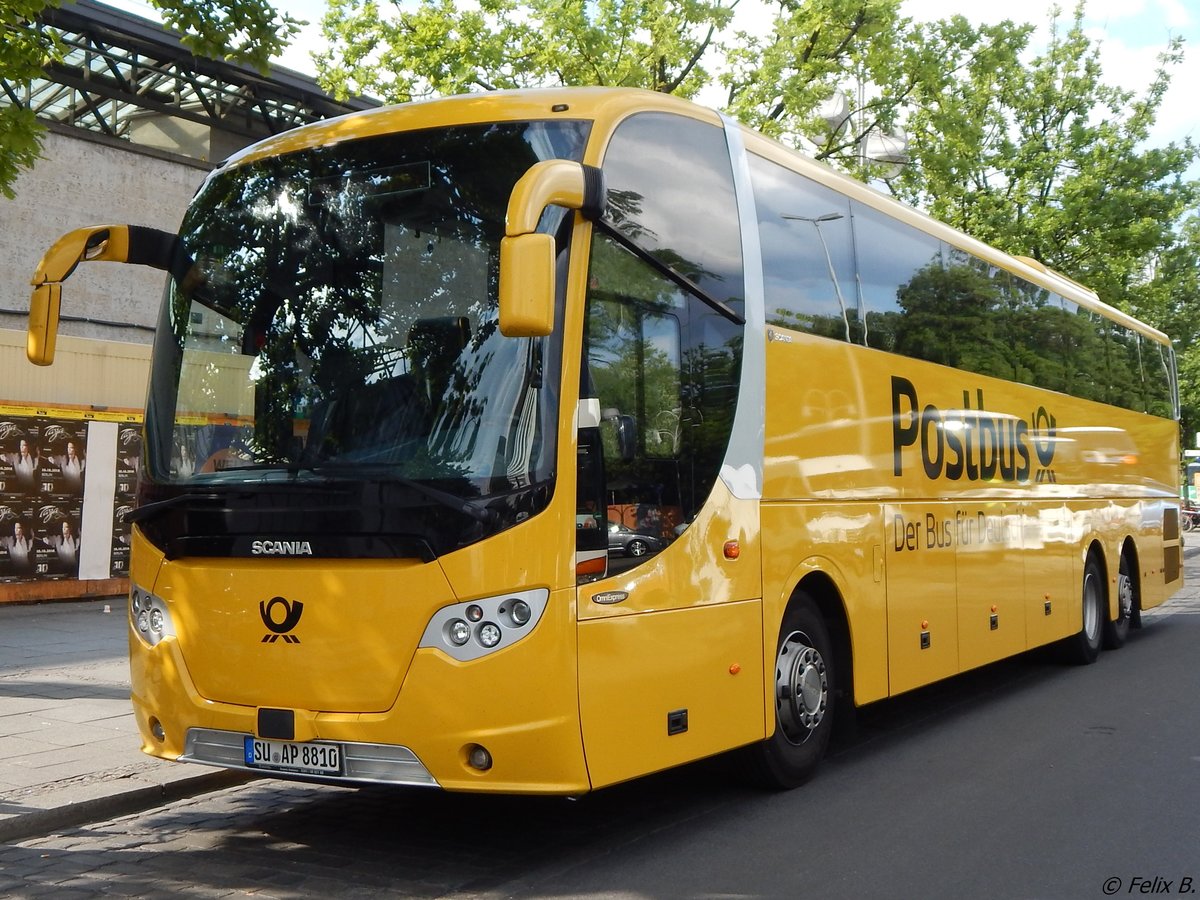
(286, 756)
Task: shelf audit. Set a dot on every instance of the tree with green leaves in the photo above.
(248, 31)
(402, 51)
(1044, 159)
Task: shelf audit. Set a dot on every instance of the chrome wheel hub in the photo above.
(801, 688)
(1125, 595)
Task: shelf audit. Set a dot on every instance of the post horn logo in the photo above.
(291, 618)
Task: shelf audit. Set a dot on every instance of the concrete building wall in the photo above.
(93, 394)
(82, 182)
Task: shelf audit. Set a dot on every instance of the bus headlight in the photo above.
(489, 635)
(459, 632)
(503, 620)
(149, 617)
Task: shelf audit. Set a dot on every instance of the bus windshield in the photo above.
(338, 320)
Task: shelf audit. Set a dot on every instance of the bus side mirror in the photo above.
(527, 257)
(115, 243)
(43, 323)
(527, 285)
(83, 244)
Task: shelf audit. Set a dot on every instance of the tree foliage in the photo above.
(403, 51)
(249, 31)
(1043, 159)
(1032, 152)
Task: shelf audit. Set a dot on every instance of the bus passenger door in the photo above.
(670, 623)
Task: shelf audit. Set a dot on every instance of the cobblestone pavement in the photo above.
(272, 839)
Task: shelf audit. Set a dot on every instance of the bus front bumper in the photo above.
(355, 763)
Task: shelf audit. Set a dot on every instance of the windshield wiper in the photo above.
(669, 272)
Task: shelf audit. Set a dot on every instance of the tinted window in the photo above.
(663, 365)
(903, 283)
(670, 189)
(843, 270)
(808, 254)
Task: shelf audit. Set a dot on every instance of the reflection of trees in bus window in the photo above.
(664, 369)
(933, 301)
(662, 366)
(808, 255)
(892, 257)
(345, 307)
(670, 189)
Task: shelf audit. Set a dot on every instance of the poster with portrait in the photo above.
(18, 534)
(62, 458)
(10, 513)
(46, 469)
(119, 552)
(56, 539)
(20, 451)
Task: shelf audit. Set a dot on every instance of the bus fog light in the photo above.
(489, 635)
(458, 632)
(479, 758)
(157, 730)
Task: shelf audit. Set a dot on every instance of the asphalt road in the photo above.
(1024, 779)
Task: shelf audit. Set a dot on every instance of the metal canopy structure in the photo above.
(131, 79)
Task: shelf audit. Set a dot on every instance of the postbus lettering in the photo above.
(970, 443)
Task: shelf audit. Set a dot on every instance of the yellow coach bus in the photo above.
(536, 441)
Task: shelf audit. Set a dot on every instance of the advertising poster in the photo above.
(19, 448)
(44, 480)
(61, 463)
(18, 535)
(55, 536)
(129, 450)
(11, 530)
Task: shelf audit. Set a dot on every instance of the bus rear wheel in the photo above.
(1116, 632)
(804, 693)
(1084, 647)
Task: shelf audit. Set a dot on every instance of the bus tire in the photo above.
(1083, 648)
(1116, 632)
(805, 684)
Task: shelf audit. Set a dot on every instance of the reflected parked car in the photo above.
(628, 542)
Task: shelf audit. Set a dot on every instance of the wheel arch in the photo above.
(1129, 551)
(820, 587)
(1093, 546)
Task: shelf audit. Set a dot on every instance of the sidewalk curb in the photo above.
(40, 822)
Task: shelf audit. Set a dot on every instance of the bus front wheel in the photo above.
(804, 700)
